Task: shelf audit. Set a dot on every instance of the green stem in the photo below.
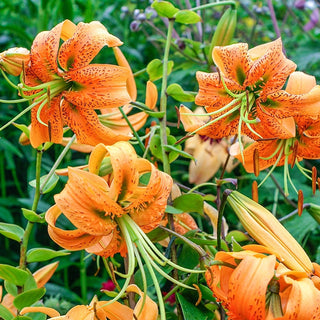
(29, 227)
(83, 277)
(215, 4)
(56, 164)
(132, 129)
(163, 100)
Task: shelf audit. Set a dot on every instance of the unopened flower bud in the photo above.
(141, 17)
(134, 25)
(12, 60)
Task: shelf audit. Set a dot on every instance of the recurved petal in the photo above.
(86, 203)
(50, 115)
(48, 311)
(44, 52)
(233, 61)
(300, 83)
(189, 120)
(113, 311)
(98, 86)
(309, 147)
(300, 299)
(109, 245)
(68, 239)
(151, 95)
(283, 104)
(85, 43)
(87, 127)
(123, 62)
(271, 67)
(149, 308)
(211, 91)
(125, 174)
(149, 202)
(248, 286)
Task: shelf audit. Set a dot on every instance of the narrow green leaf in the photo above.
(187, 17)
(22, 318)
(5, 313)
(23, 128)
(27, 298)
(178, 151)
(32, 216)
(189, 203)
(51, 183)
(43, 254)
(11, 231)
(177, 93)
(14, 275)
(164, 9)
(155, 69)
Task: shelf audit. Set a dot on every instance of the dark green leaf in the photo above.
(187, 17)
(14, 275)
(173, 210)
(164, 9)
(190, 312)
(27, 298)
(42, 254)
(11, 231)
(189, 203)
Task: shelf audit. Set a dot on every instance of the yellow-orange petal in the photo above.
(96, 157)
(113, 311)
(123, 62)
(86, 203)
(149, 309)
(68, 239)
(98, 86)
(87, 127)
(51, 115)
(300, 83)
(151, 95)
(48, 311)
(86, 42)
(68, 30)
(233, 61)
(43, 275)
(190, 122)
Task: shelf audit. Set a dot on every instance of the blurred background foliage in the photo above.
(143, 34)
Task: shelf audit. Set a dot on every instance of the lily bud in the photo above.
(268, 231)
(12, 60)
(43, 275)
(224, 31)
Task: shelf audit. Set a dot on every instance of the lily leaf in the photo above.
(30, 215)
(189, 203)
(187, 17)
(5, 313)
(164, 9)
(29, 297)
(155, 69)
(50, 184)
(11, 231)
(177, 93)
(43, 254)
(14, 275)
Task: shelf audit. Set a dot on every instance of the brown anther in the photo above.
(254, 191)
(318, 181)
(211, 276)
(49, 130)
(199, 294)
(300, 202)
(219, 75)
(178, 116)
(294, 153)
(314, 179)
(146, 142)
(153, 123)
(256, 165)
(95, 311)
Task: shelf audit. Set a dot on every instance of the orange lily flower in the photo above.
(238, 99)
(94, 204)
(103, 310)
(252, 285)
(67, 89)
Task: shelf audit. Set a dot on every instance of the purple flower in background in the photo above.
(314, 19)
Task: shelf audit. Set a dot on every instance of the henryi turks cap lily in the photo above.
(111, 206)
(144, 310)
(245, 96)
(65, 88)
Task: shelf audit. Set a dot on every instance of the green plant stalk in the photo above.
(83, 277)
(215, 4)
(29, 227)
(2, 175)
(163, 100)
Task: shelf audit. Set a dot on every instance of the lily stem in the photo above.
(83, 277)
(29, 227)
